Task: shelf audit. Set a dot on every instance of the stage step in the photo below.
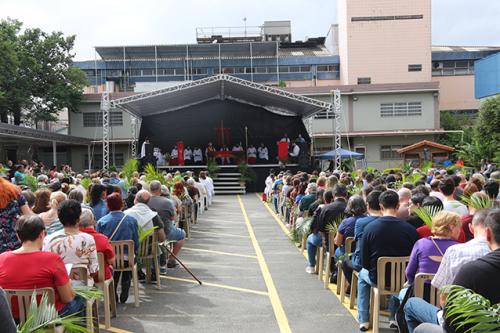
(228, 183)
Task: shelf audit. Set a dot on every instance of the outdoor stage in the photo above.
(182, 168)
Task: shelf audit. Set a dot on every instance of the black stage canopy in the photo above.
(193, 111)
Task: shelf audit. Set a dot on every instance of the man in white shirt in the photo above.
(188, 156)
(251, 154)
(208, 183)
(447, 187)
(174, 156)
(295, 151)
(237, 149)
(197, 156)
(459, 254)
(263, 154)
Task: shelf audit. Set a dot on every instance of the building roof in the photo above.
(443, 53)
(367, 88)
(31, 135)
(209, 51)
(424, 143)
(381, 133)
(220, 87)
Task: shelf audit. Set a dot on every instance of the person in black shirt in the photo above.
(387, 236)
(329, 213)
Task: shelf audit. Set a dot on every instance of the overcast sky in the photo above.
(125, 22)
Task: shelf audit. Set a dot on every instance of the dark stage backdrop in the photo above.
(196, 126)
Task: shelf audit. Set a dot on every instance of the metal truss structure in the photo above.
(337, 143)
(105, 106)
(228, 78)
(133, 145)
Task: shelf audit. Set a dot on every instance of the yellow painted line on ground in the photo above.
(217, 285)
(279, 312)
(114, 329)
(220, 252)
(331, 287)
(218, 234)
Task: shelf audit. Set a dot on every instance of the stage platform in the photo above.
(223, 166)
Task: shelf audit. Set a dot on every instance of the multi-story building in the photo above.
(394, 83)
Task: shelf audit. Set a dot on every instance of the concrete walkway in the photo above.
(254, 281)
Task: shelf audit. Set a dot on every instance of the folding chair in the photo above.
(148, 254)
(396, 266)
(124, 252)
(184, 221)
(419, 288)
(108, 289)
(24, 300)
(80, 273)
(349, 241)
(329, 255)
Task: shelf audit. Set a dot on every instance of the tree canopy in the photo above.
(37, 79)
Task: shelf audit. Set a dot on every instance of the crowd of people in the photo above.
(381, 212)
(70, 218)
(223, 154)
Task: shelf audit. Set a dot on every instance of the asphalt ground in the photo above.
(253, 277)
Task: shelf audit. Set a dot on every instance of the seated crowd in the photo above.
(445, 224)
(67, 221)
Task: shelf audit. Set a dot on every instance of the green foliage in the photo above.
(36, 73)
(455, 120)
(282, 84)
(470, 311)
(113, 168)
(213, 169)
(247, 174)
(31, 182)
(427, 213)
(144, 233)
(44, 315)
(391, 170)
(487, 129)
(150, 174)
(88, 292)
(85, 182)
(333, 226)
(477, 201)
(128, 170)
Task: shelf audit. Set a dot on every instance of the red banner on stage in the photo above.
(180, 150)
(282, 150)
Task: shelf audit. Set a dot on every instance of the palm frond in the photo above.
(128, 170)
(477, 201)
(31, 182)
(470, 311)
(150, 174)
(44, 315)
(333, 226)
(85, 182)
(427, 213)
(88, 292)
(213, 169)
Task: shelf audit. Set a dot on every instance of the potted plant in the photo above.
(247, 174)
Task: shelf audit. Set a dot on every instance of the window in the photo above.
(390, 152)
(114, 73)
(179, 71)
(414, 68)
(400, 109)
(386, 18)
(94, 119)
(228, 70)
(135, 72)
(239, 70)
(284, 69)
(260, 69)
(364, 80)
(200, 71)
(451, 67)
(116, 159)
(323, 115)
(148, 72)
(328, 68)
(166, 71)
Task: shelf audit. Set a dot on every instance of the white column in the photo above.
(54, 153)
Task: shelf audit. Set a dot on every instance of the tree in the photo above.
(487, 129)
(41, 80)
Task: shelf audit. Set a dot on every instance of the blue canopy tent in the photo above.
(344, 154)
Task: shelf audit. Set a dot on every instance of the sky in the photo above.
(147, 22)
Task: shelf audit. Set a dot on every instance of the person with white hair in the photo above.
(42, 181)
(145, 216)
(87, 225)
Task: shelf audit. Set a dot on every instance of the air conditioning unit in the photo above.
(437, 65)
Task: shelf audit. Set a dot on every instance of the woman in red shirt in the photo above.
(39, 269)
